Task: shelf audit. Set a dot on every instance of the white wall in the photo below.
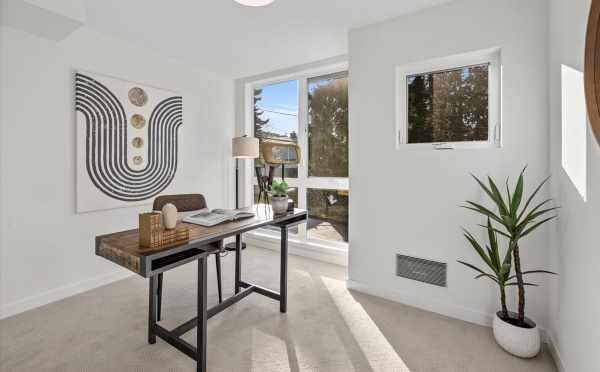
(576, 297)
(47, 249)
(407, 201)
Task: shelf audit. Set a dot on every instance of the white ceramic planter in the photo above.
(521, 342)
(169, 214)
(279, 204)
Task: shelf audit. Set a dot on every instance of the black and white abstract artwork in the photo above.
(127, 141)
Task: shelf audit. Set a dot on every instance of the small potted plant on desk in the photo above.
(279, 196)
(512, 220)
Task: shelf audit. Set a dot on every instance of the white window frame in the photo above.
(490, 56)
(303, 182)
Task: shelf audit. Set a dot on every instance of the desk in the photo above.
(123, 249)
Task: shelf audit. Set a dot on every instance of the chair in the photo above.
(186, 203)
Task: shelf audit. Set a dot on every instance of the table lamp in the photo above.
(241, 148)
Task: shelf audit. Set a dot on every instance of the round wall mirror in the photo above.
(592, 68)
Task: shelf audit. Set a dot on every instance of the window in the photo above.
(327, 214)
(450, 102)
(328, 155)
(328, 126)
(574, 128)
(276, 116)
(292, 194)
(448, 106)
(312, 111)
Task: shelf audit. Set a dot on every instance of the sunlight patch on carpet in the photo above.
(377, 350)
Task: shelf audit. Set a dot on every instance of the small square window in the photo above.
(448, 106)
(452, 101)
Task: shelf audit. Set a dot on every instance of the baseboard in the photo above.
(446, 309)
(553, 349)
(336, 256)
(60, 293)
(449, 310)
(330, 255)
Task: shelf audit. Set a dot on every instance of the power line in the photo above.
(279, 112)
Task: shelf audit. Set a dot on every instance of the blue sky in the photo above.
(282, 98)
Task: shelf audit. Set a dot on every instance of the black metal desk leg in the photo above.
(159, 294)
(202, 317)
(283, 274)
(152, 305)
(238, 262)
(219, 286)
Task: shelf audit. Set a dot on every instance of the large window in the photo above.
(276, 116)
(327, 214)
(328, 126)
(450, 102)
(312, 111)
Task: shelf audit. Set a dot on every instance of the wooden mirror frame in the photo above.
(592, 68)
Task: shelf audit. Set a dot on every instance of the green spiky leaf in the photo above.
(532, 196)
(535, 226)
(517, 196)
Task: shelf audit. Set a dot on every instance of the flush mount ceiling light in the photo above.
(254, 2)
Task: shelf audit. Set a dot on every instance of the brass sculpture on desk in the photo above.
(275, 153)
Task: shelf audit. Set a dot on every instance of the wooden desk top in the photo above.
(123, 247)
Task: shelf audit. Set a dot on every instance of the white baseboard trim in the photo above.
(336, 256)
(450, 310)
(554, 352)
(60, 293)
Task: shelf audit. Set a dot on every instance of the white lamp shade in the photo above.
(254, 2)
(245, 147)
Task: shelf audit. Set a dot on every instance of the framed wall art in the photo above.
(127, 141)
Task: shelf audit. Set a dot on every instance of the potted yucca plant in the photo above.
(513, 220)
(279, 196)
(498, 263)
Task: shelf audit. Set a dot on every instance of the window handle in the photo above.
(443, 146)
(496, 134)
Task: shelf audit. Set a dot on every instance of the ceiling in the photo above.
(236, 41)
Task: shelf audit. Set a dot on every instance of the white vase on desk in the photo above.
(279, 204)
(169, 214)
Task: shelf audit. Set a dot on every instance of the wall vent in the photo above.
(419, 269)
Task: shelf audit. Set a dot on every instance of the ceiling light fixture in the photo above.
(254, 2)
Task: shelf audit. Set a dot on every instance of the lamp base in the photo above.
(231, 246)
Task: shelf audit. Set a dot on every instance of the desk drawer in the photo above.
(165, 263)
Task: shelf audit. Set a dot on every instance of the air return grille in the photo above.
(426, 271)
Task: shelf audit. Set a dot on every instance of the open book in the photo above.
(206, 217)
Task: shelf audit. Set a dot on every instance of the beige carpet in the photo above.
(327, 329)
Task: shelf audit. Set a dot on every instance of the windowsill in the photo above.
(335, 253)
(449, 146)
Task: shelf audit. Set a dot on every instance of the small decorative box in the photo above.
(152, 233)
